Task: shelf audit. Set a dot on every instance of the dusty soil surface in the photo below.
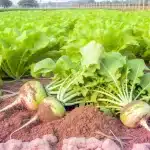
(81, 122)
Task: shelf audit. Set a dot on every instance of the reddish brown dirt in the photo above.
(82, 121)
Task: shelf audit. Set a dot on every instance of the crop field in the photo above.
(75, 80)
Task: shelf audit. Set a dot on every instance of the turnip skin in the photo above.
(30, 96)
(53, 107)
(135, 114)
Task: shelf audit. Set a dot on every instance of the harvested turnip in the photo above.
(30, 95)
(50, 109)
(135, 114)
(126, 91)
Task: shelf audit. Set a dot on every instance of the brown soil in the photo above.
(82, 121)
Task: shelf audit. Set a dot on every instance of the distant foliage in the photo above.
(91, 1)
(5, 3)
(85, 1)
(28, 3)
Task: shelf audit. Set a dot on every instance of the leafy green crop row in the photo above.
(27, 37)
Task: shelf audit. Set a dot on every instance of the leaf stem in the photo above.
(109, 100)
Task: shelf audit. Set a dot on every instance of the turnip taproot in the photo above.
(135, 114)
(50, 109)
(30, 95)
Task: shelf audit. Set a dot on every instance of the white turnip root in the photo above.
(136, 113)
(50, 109)
(30, 96)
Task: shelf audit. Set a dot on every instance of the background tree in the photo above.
(28, 3)
(91, 1)
(5, 3)
(85, 1)
(146, 2)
